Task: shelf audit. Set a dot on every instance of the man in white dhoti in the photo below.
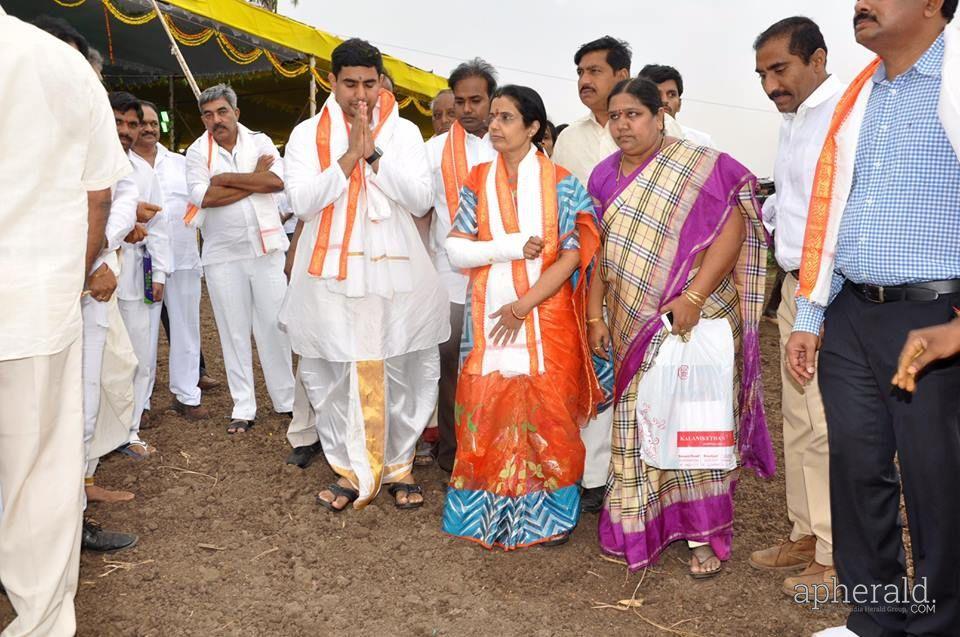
(98, 308)
(41, 395)
(451, 156)
(143, 271)
(365, 309)
(181, 294)
(232, 173)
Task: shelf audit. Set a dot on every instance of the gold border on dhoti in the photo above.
(371, 376)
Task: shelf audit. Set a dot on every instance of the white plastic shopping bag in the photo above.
(685, 401)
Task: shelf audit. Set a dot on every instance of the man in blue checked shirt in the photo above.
(882, 258)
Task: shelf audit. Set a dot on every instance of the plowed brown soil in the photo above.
(232, 543)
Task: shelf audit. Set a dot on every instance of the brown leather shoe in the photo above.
(787, 556)
(815, 574)
(190, 412)
(206, 383)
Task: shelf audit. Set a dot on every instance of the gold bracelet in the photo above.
(695, 294)
(690, 297)
(515, 315)
(594, 320)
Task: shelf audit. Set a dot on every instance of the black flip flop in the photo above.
(707, 574)
(408, 489)
(338, 492)
(239, 426)
(560, 540)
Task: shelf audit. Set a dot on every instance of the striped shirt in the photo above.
(902, 220)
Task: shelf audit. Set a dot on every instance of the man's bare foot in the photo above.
(99, 494)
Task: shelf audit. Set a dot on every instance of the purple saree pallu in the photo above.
(656, 222)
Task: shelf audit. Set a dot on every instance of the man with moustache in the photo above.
(791, 61)
(579, 148)
(143, 271)
(365, 309)
(670, 83)
(880, 260)
(443, 113)
(232, 175)
(181, 297)
(451, 156)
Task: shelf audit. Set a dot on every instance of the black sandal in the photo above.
(338, 492)
(559, 540)
(239, 426)
(409, 489)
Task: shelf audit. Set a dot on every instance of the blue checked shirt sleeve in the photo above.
(810, 314)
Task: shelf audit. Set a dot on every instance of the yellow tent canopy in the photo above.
(266, 57)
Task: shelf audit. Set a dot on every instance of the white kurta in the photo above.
(142, 319)
(97, 316)
(370, 361)
(58, 141)
(181, 296)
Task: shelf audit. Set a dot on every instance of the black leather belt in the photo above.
(925, 291)
(795, 274)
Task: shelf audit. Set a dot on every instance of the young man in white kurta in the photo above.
(181, 294)
(141, 315)
(59, 142)
(243, 251)
(367, 313)
(473, 84)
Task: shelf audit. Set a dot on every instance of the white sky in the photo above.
(532, 42)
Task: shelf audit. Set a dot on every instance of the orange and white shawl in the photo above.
(833, 178)
(338, 233)
(534, 213)
(264, 205)
(454, 167)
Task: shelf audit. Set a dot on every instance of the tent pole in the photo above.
(173, 135)
(176, 52)
(313, 87)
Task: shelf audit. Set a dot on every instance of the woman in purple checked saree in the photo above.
(681, 233)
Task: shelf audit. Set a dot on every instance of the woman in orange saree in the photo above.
(526, 233)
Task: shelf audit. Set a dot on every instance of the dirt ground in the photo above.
(232, 543)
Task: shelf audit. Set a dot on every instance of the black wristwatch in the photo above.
(375, 155)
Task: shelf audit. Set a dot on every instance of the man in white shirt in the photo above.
(670, 83)
(365, 309)
(586, 142)
(181, 295)
(451, 156)
(41, 395)
(792, 65)
(232, 173)
(143, 270)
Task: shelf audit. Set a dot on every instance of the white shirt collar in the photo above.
(827, 89)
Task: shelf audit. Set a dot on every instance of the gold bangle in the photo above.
(695, 294)
(690, 297)
(515, 315)
(594, 320)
